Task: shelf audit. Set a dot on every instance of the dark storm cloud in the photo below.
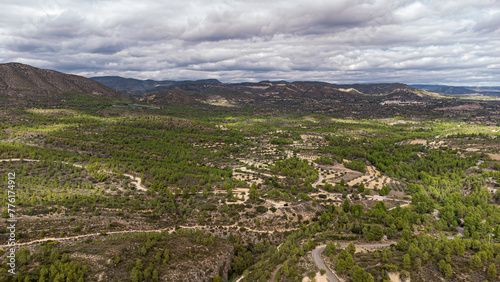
(453, 42)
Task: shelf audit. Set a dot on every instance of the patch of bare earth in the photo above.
(495, 157)
(372, 178)
(317, 278)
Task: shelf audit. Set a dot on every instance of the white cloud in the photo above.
(422, 41)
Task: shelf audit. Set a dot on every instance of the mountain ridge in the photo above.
(148, 85)
(460, 90)
(24, 81)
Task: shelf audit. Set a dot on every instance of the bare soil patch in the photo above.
(495, 157)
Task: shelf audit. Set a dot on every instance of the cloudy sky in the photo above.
(342, 41)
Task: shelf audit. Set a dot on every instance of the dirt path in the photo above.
(320, 177)
(385, 199)
(137, 182)
(169, 229)
(403, 205)
(244, 169)
(273, 274)
(277, 205)
(16, 160)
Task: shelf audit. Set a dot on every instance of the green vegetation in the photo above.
(224, 187)
(295, 169)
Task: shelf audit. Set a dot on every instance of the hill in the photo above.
(377, 88)
(453, 90)
(493, 91)
(131, 84)
(23, 81)
(427, 86)
(143, 86)
(171, 96)
(301, 96)
(207, 86)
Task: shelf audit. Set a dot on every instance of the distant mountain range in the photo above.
(300, 96)
(30, 86)
(20, 80)
(460, 90)
(149, 85)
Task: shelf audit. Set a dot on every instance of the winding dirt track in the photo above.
(169, 229)
(320, 178)
(137, 182)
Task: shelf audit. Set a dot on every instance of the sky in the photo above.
(340, 41)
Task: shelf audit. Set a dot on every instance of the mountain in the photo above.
(20, 80)
(131, 84)
(453, 90)
(427, 86)
(213, 86)
(143, 86)
(367, 100)
(461, 90)
(377, 88)
(171, 96)
(486, 90)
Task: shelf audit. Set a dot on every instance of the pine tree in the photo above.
(448, 272)
(406, 262)
(385, 258)
(475, 261)
(155, 277)
(135, 276)
(418, 262)
(359, 275)
(349, 262)
(138, 264)
(361, 188)
(351, 248)
(285, 269)
(166, 256)
(491, 272)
